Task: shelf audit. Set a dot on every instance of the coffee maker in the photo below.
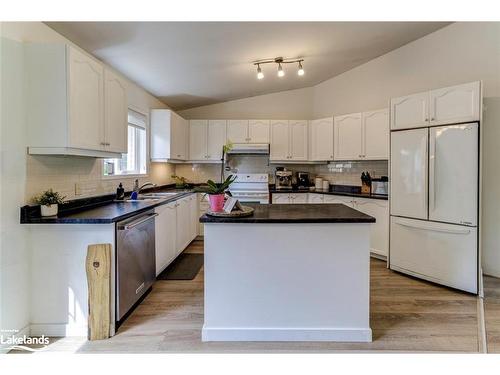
(303, 182)
(283, 179)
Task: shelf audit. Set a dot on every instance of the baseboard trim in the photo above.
(287, 334)
(58, 330)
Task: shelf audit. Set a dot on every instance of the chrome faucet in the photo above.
(138, 188)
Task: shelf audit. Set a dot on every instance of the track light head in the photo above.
(300, 72)
(260, 75)
(281, 73)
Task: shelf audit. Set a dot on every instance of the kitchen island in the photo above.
(288, 273)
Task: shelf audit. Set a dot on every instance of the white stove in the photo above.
(251, 187)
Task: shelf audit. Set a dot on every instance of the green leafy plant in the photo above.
(227, 147)
(179, 180)
(216, 187)
(48, 198)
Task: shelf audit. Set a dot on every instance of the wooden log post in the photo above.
(98, 267)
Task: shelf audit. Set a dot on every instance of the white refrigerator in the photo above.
(434, 204)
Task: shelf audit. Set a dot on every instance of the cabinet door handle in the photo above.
(426, 120)
(103, 143)
(432, 118)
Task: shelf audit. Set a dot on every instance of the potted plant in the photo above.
(180, 182)
(49, 201)
(216, 192)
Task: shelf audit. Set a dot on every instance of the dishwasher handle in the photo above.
(137, 222)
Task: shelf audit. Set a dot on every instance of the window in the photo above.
(134, 162)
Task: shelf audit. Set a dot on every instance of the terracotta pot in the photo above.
(50, 210)
(216, 202)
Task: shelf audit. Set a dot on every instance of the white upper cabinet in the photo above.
(449, 105)
(169, 136)
(258, 131)
(248, 131)
(298, 140)
(198, 139)
(280, 142)
(348, 137)
(410, 111)
(288, 140)
(362, 136)
(237, 131)
(76, 108)
(455, 104)
(216, 139)
(86, 98)
(206, 139)
(115, 112)
(376, 135)
(321, 139)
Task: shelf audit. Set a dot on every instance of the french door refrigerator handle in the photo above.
(432, 170)
(426, 173)
(435, 229)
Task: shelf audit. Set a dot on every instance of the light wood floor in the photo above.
(492, 313)
(407, 315)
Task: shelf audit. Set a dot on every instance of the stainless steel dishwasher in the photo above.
(135, 260)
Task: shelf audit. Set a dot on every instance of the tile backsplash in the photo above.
(341, 173)
(79, 177)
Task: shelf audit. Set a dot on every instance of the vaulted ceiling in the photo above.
(189, 64)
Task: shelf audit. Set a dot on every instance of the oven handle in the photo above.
(137, 222)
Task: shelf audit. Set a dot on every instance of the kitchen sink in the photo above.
(159, 195)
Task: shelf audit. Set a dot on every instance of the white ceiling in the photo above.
(188, 64)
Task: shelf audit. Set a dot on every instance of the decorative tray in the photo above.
(247, 211)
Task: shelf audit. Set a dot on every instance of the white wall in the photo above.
(491, 187)
(14, 254)
(24, 175)
(292, 104)
(461, 52)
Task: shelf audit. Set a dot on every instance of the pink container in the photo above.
(216, 202)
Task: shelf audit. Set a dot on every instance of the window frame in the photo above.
(145, 113)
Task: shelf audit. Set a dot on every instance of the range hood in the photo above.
(250, 149)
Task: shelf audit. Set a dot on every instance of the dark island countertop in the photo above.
(296, 213)
(105, 211)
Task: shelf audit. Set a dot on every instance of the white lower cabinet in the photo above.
(348, 201)
(379, 233)
(203, 206)
(281, 198)
(379, 209)
(165, 235)
(315, 198)
(175, 227)
(298, 198)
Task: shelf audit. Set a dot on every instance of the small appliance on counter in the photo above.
(283, 179)
(318, 183)
(303, 181)
(380, 185)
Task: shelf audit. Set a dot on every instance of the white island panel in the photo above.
(287, 282)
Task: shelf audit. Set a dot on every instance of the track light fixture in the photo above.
(279, 61)
(260, 75)
(281, 73)
(300, 72)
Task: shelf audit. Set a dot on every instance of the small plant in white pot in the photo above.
(49, 201)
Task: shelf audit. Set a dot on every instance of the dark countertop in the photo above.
(346, 192)
(296, 213)
(105, 212)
